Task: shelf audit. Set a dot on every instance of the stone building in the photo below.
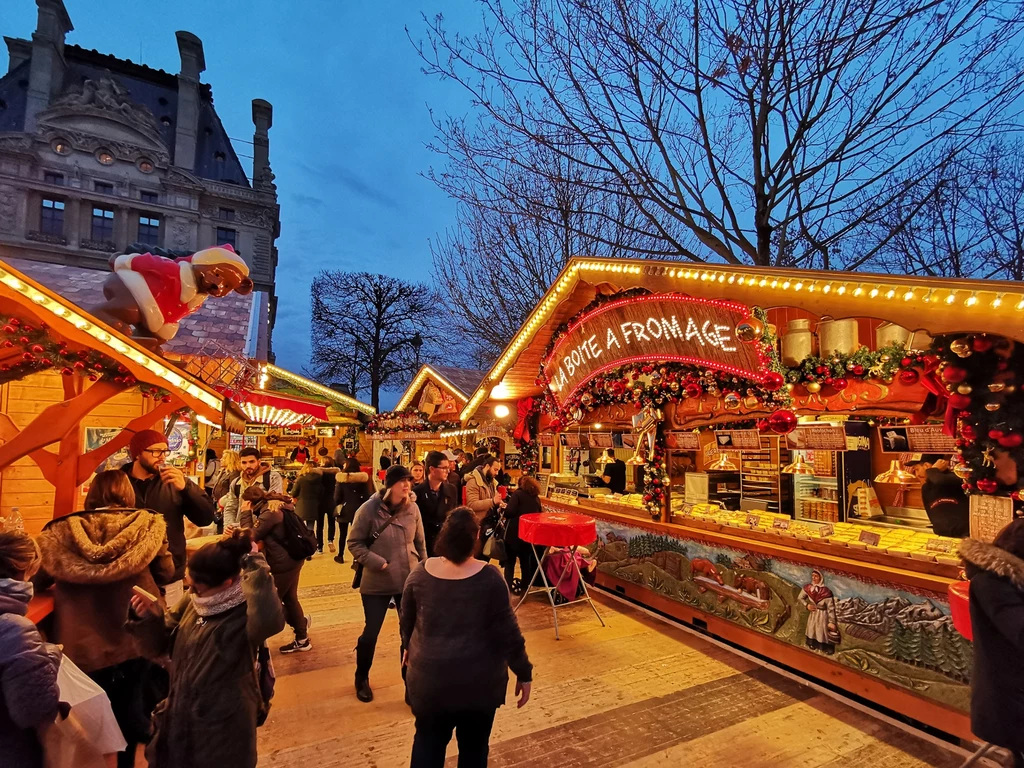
(97, 153)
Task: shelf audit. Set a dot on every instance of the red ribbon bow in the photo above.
(525, 409)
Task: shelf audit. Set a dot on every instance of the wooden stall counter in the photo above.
(869, 623)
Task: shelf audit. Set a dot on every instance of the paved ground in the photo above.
(636, 693)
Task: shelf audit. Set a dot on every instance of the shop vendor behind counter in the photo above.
(944, 498)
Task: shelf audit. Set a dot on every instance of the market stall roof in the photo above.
(937, 305)
(68, 320)
(459, 382)
(313, 398)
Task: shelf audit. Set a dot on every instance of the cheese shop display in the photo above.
(766, 476)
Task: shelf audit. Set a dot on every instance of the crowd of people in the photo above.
(187, 671)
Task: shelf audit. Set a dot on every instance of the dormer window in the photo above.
(146, 166)
(61, 147)
(104, 157)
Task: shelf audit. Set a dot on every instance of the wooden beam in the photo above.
(66, 488)
(45, 460)
(55, 421)
(89, 461)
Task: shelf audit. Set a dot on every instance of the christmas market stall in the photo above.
(802, 452)
(70, 384)
(426, 417)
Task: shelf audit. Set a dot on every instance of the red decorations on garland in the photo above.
(782, 422)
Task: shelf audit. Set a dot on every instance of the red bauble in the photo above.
(68, 372)
(647, 498)
(968, 433)
(995, 434)
(782, 422)
(987, 485)
(23, 340)
(858, 370)
(906, 362)
(840, 384)
(9, 329)
(762, 425)
(46, 361)
(981, 344)
(8, 344)
(1013, 440)
(79, 366)
(959, 402)
(954, 375)
(692, 390)
(14, 321)
(28, 356)
(93, 378)
(909, 376)
(773, 381)
(821, 369)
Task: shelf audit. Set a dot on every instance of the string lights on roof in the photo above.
(275, 417)
(312, 386)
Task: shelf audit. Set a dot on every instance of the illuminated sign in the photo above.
(658, 327)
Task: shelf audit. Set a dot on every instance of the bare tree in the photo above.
(759, 127)
(521, 216)
(951, 216)
(371, 331)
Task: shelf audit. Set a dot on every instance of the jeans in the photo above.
(375, 608)
(433, 732)
(287, 584)
(320, 528)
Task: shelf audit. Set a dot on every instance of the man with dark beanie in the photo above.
(165, 490)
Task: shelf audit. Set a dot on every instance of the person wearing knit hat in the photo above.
(387, 541)
(164, 489)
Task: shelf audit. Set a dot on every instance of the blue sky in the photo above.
(350, 120)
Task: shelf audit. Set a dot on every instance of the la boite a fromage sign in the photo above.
(659, 328)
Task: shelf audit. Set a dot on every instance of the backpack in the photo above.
(238, 486)
(298, 541)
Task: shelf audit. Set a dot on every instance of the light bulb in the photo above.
(501, 411)
(971, 300)
(908, 296)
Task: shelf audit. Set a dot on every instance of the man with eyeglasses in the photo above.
(435, 497)
(164, 489)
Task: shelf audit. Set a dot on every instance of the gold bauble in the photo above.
(995, 386)
(750, 329)
(966, 389)
(789, 386)
(992, 406)
(962, 471)
(813, 387)
(850, 366)
(885, 358)
(960, 347)
(713, 391)
(674, 386)
(731, 401)
(887, 379)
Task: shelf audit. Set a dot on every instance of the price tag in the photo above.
(753, 520)
(826, 531)
(781, 523)
(870, 538)
(938, 545)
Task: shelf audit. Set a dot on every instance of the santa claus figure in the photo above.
(153, 293)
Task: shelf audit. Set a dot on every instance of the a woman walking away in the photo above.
(269, 530)
(29, 696)
(326, 518)
(306, 490)
(463, 638)
(353, 488)
(209, 718)
(996, 572)
(387, 541)
(525, 501)
(96, 557)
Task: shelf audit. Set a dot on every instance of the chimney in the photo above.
(46, 73)
(262, 119)
(193, 63)
(19, 50)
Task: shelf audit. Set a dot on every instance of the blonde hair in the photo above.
(229, 461)
(308, 467)
(19, 555)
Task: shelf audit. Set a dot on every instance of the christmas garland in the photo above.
(884, 364)
(40, 352)
(656, 478)
(419, 422)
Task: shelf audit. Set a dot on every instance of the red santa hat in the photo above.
(220, 254)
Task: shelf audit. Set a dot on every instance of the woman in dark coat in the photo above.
(996, 572)
(209, 718)
(352, 488)
(306, 491)
(462, 638)
(525, 501)
(327, 505)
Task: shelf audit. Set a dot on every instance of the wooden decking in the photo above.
(636, 693)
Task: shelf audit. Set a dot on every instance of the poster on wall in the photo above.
(818, 437)
(989, 515)
(177, 444)
(924, 438)
(600, 439)
(97, 437)
(683, 441)
(741, 439)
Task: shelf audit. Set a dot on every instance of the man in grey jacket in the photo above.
(387, 540)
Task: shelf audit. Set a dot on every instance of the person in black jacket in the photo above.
(614, 475)
(525, 501)
(435, 497)
(945, 501)
(352, 488)
(165, 489)
(996, 572)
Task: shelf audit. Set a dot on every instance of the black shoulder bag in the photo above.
(358, 578)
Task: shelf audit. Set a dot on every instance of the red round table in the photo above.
(562, 530)
(960, 607)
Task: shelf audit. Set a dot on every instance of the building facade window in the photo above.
(53, 178)
(149, 229)
(104, 157)
(227, 214)
(227, 236)
(103, 187)
(149, 197)
(102, 225)
(51, 217)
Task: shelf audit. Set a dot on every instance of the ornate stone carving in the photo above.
(259, 217)
(8, 209)
(180, 234)
(108, 95)
(97, 245)
(42, 237)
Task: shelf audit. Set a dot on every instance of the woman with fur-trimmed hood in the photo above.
(996, 572)
(96, 557)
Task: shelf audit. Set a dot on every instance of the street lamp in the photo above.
(417, 345)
